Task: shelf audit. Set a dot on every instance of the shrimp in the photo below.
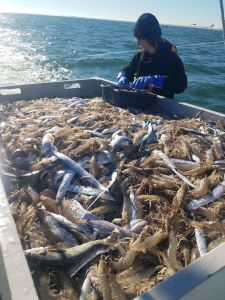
(180, 197)
(151, 198)
(198, 171)
(171, 252)
(209, 156)
(186, 254)
(94, 166)
(117, 292)
(149, 242)
(217, 148)
(124, 262)
(208, 213)
(216, 243)
(202, 189)
(103, 280)
(126, 202)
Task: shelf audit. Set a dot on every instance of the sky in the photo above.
(180, 12)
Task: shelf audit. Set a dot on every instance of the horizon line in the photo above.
(198, 26)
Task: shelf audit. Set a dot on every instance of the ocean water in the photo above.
(37, 48)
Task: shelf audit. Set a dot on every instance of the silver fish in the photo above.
(219, 162)
(134, 207)
(86, 284)
(150, 137)
(76, 102)
(44, 118)
(73, 120)
(137, 225)
(104, 228)
(75, 229)
(109, 131)
(52, 129)
(194, 131)
(31, 141)
(201, 241)
(172, 166)
(77, 169)
(78, 212)
(59, 174)
(214, 195)
(77, 256)
(67, 178)
(183, 162)
(104, 157)
(89, 191)
(102, 194)
(47, 143)
(94, 133)
(120, 140)
(58, 231)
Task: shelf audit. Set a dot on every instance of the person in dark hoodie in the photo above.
(157, 67)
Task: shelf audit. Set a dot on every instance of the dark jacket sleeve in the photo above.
(131, 68)
(176, 81)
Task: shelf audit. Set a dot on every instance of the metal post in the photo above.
(223, 20)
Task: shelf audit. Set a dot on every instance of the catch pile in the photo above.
(109, 203)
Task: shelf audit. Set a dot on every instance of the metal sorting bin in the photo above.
(203, 279)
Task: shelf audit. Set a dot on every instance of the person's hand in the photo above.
(144, 81)
(123, 81)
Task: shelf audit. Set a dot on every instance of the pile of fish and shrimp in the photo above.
(109, 203)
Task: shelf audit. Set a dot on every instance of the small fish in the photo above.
(75, 229)
(47, 143)
(89, 191)
(58, 231)
(76, 102)
(94, 133)
(171, 165)
(104, 157)
(201, 241)
(114, 177)
(18, 176)
(31, 141)
(211, 197)
(194, 131)
(122, 141)
(150, 137)
(137, 225)
(183, 162)
(52, 130)
(219, 162)
(76, 257)
(109, 131)
(59, 174)
(48, 118)
(86, 284)
(135, 206)
(77, 210)
(73, 120)
(104, 228)
(67, 178)
(77, 169)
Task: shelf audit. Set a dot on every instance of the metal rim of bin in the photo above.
(15, 281)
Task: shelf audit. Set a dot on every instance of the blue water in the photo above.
(38, 48)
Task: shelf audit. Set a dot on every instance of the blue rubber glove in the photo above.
(142, 82)
(123, 81)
